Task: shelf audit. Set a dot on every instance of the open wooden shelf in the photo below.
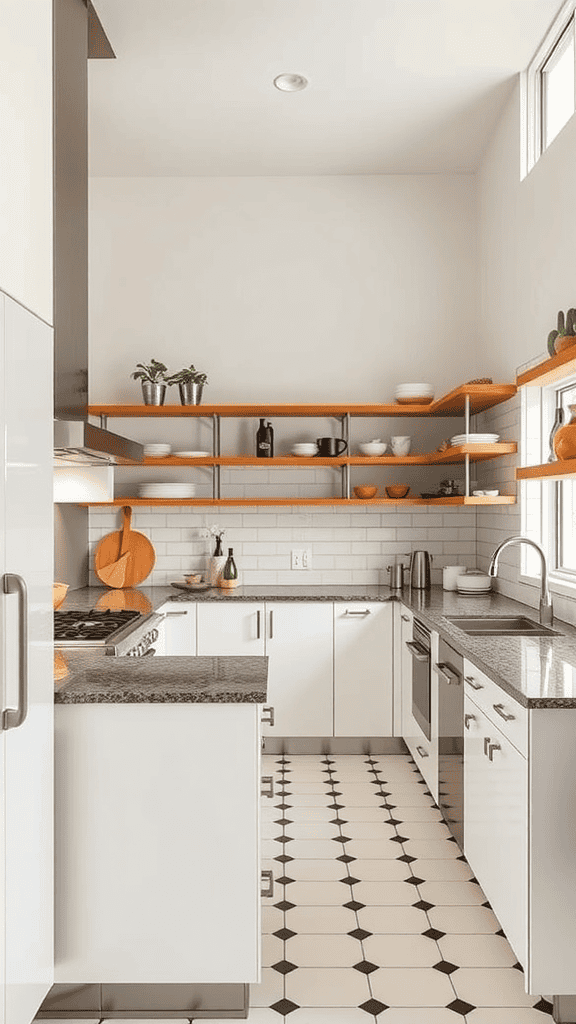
(549, 370)
(482, 396)
(548, 471)
(502, 499)
(453, 455)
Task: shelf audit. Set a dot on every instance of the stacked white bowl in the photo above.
(305, 449)
(417, 393)
(166, 490)
(473, 582)
(157, 451)
(373, 448)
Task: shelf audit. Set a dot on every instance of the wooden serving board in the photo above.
(124, 558)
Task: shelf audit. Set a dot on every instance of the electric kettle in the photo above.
(420, 563)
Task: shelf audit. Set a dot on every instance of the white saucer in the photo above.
(191, 455)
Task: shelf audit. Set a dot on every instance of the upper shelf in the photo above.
(482, 396)
(550, 370)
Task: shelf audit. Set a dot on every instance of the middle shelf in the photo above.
(450, 456)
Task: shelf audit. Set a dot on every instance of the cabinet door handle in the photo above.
(405, 618)
(171, 615)
(486, 744)
(268, 888)
(267, 786)
(271, 624)
(257, 625)
(467, 719)
(449, 674)
(491, 748)
(363, 613)
(472, 682)
(499, 709)
(267, 710)
(416, 651)
(13, 717)
(422, 752)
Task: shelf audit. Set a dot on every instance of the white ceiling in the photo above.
(396, 86)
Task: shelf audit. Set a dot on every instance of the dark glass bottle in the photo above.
(230, 572)
(265, 441)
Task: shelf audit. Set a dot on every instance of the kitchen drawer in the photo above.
(502, 710)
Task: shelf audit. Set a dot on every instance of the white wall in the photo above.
(293, 289)
(26, 153)
(527, 273)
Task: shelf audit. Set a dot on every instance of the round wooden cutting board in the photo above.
(124, 558)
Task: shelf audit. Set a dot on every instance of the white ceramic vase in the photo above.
(215, 567)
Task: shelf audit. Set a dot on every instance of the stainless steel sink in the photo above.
(500, 625)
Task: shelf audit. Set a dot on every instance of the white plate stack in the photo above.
(166, 490)
(473, 583)
(474, 439)
(156, 451)
(417, 394)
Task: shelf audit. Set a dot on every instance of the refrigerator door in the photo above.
(26, 569)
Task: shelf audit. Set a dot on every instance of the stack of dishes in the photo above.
(191, 455)
(414, 394)
(474, 439)
(305, 449)
(166, 490)
(156, 451)
(473, 582)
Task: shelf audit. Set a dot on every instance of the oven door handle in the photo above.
(448, 673)
(417, 651)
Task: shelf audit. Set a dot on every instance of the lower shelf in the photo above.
(501, 499)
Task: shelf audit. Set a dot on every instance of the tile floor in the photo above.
(376, 916)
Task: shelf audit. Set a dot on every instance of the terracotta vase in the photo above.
(565, 438)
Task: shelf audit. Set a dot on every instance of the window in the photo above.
(548, 508)
(549, 88)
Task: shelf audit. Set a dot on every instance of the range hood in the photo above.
(78, 35)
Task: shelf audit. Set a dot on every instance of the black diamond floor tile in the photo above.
(365, 967)
(423, 905)
(394, 821)
(284, 1006)
(345, 858)
(518, 967)
(373, 1006)
(283, 821)
(349, 881)
(341, 839)
(434, 933)
(338, 821)
(285, 880)
(283, 839)
(284, 933)
(544, 1006)
(460, 1006)
(406, 858)
(283, 807)
(284, 858)
(355, 905)
(414, 881)
(284, 967)
(359, 933)
(445, 967)
(335, 807)
(399, 839)
(285, 905)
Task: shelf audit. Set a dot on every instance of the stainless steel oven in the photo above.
(419, 648)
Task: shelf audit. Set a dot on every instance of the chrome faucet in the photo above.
(546, 610)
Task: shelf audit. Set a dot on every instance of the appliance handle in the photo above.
(418, 652)
(12, 583)
(449, 674)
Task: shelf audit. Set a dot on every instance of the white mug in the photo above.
(450, 574)
(400, 445)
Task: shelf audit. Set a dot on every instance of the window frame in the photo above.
(532, 91)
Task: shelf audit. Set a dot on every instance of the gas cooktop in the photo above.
(93, 628)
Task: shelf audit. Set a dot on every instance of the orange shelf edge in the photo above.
(547, 471)
(549, 370)
(502, 499)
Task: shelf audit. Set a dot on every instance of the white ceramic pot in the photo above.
(400, 445)
(215, 567)
(450, 574)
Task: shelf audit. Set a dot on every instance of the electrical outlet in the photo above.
(301, 558)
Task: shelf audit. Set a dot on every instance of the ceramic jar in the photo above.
(565, 438)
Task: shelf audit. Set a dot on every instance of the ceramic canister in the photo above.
(450, 574)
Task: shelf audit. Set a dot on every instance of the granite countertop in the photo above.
(538, 672)
(95, 678)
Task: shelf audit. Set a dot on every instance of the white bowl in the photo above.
(156, 451)
(373, 448)
(414, 389)
(470, 581)
(305, 450)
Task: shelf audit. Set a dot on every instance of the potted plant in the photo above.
(154, 380)
(190, 383)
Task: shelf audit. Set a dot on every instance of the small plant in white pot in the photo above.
(190, 382)
(217, 558)
(154, 381)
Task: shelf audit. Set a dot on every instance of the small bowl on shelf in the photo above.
(365, 492)
(305, 449)
(397, 490)
(373, 448)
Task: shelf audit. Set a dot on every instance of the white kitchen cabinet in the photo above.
(157, 843)
(496, 822)
(297, 637)
(236, 628)
(363, 674)
(300, 673)
(177, 629)
(26, 750)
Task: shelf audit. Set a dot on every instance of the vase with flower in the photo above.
(217, 558)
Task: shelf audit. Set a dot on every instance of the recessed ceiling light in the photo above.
(290, 83)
